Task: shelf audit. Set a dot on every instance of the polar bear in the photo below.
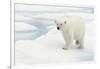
(72, 29)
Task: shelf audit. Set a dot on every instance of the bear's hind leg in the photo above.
(79, 43)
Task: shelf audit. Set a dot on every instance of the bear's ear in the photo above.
(65, 22)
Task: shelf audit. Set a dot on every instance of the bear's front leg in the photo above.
(68, 41)
(65, 48)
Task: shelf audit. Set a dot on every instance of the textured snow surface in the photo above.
(21, 26)
(48, 49)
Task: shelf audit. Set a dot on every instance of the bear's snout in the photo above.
(58, 28)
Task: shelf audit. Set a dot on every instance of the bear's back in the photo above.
(76, 24)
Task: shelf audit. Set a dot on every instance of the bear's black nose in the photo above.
(58, 28)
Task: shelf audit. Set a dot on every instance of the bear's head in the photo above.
(60, 24)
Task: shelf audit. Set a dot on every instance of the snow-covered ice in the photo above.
(39, 42)
(21, 26)
(48, 49)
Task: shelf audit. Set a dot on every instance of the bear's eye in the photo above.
(60, 24)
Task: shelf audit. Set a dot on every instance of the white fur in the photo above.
(72, 28)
